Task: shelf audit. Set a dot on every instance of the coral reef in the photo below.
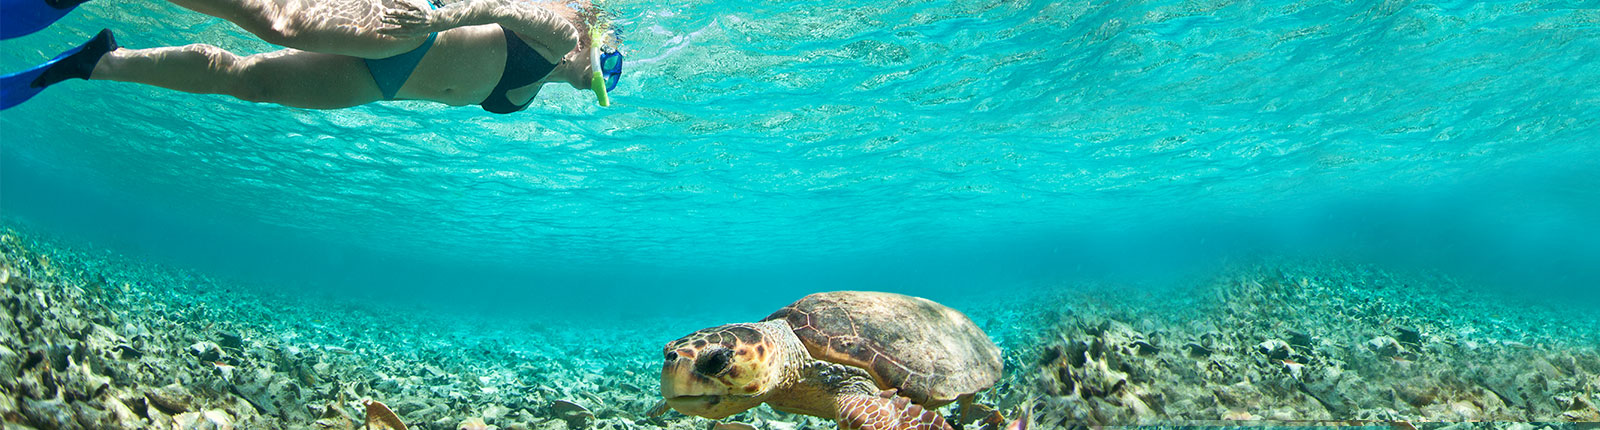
(93, 340)
(98, 341)
(1306, 342)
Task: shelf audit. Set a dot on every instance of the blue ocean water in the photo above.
(941, 147)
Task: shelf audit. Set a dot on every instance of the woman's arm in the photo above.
(524, 17)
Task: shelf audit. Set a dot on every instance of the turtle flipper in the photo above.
(886, 411)
(970, 412)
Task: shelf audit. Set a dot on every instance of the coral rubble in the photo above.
(1313, 343)
(92, 340)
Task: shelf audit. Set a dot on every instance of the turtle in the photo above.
(867, 360)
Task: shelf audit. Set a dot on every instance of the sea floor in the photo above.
(94, 340)
(1312, 343)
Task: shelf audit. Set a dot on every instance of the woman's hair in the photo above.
(591, 15)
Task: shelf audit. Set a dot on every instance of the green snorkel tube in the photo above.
(596, 81)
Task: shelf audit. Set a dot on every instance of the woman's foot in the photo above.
(79, 64)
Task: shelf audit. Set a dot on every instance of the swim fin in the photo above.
(23, 17)
(77, 62)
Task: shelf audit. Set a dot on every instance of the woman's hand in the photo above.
(407, 20)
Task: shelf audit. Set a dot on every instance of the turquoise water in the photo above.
(935, 147)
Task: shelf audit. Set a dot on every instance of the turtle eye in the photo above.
(672, 355)
(715, 363)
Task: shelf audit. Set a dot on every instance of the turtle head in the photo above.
(724, 370)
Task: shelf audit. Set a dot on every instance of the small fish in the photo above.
(338, 350)
(564, 407)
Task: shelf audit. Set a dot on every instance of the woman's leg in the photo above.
(288, 77)
(345, 27)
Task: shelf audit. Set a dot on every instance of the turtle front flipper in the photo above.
(970, 412)
(886, 411)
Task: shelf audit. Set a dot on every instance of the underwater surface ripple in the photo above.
(774, 131)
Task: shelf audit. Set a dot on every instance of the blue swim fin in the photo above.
(23, 17)
(77, 62)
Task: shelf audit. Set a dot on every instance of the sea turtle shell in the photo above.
(931, 353)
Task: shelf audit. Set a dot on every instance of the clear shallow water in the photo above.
(923, 146)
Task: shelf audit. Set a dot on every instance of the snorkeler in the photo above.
(343, 53)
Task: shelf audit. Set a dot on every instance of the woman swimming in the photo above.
(342, 53)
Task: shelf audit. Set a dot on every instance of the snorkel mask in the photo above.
(606, 62)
